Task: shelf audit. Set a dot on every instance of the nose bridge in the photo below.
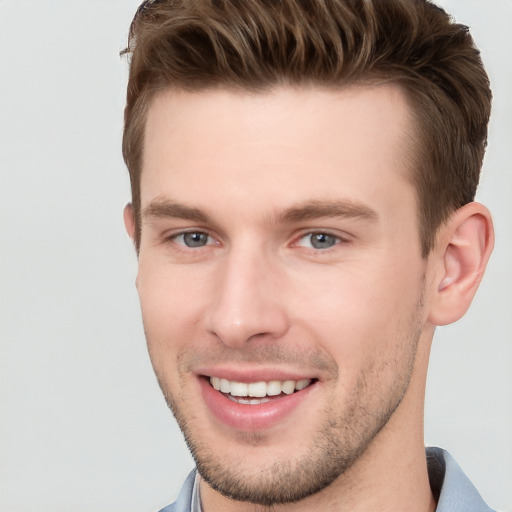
(247, 301)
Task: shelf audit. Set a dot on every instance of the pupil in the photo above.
(195, 239)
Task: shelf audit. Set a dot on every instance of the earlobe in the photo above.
(129, 220)
(464, 245)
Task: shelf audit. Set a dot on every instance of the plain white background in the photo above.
(83, 427)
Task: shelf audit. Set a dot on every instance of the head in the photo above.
(302, 176)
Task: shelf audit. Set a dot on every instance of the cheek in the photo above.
(360, 314)
(168, 293)
(170, 310)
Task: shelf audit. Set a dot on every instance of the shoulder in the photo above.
(184, 500)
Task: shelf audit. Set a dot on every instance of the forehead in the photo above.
(285, 145)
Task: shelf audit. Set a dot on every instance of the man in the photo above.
(303, 176)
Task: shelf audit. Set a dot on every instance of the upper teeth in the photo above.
(258, 389)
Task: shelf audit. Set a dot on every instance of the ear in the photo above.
(463, 247)
(129, 220)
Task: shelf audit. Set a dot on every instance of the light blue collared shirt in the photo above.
(451, 487)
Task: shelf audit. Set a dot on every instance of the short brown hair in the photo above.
(259, 44)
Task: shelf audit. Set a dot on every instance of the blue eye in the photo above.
(193, 239)
(319, 240)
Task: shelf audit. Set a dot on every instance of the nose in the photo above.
(248, 303)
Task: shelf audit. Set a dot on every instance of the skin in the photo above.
(254, 176)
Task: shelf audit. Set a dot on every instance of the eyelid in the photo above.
(340, 238)
(175, 234)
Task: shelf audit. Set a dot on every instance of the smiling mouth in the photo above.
(255, 393)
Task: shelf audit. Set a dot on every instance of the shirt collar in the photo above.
(451, 487)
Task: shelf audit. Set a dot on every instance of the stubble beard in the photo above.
(339, 443)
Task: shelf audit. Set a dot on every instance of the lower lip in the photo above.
(251, 417)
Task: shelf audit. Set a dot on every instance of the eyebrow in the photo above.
(319, 209)
(162, 208)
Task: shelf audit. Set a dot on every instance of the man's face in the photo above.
(280, 259)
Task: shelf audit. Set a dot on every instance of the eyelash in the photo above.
(335, 239)
(174, 237)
